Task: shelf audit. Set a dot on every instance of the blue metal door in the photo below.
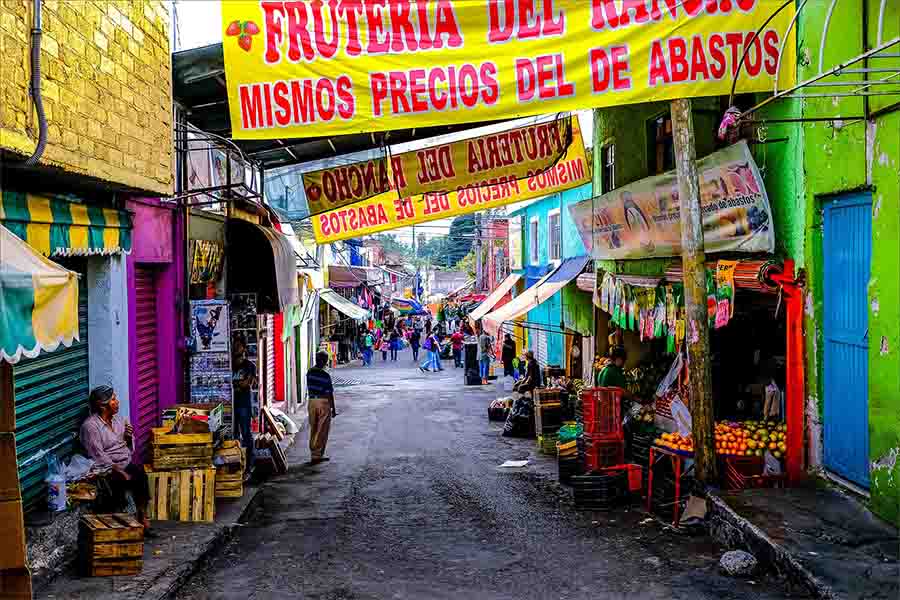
(848, 253)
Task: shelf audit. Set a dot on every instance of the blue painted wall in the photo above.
(550, 312)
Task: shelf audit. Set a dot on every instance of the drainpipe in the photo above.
(35, 87)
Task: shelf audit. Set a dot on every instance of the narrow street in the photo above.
(412, 505)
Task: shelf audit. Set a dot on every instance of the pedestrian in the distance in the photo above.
(243, 378)
(456, 341)
(507, 355)
(321, 408)
(394, 343)
(368, 349)
(414, 340)
(485, 354)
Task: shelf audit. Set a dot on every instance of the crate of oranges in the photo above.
(676, 442)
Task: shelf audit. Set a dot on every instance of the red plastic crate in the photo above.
(601, 410)
(635, 475)
(600, 454)
(746, 472)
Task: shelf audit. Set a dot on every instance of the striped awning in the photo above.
(58, 227)
(38, 301)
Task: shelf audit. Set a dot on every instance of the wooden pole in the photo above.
(693, 259)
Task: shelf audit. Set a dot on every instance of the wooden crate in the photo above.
(180, 450)
(111, 544)
(230, 477)
(182, 495)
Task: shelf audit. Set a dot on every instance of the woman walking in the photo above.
(432, 347)
(394, 342)
(414, 340)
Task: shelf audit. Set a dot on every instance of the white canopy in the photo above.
(494, 297)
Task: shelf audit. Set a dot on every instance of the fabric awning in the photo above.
(342, 304)
(465, 286)
(353, 276)
(38, 301)
(408, 306)
(494, 297)
(540, 292)
(261, 261)
(54, 226)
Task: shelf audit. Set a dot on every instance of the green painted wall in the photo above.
(839, 155)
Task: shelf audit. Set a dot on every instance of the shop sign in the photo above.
(492, 158)
(515, 243)
(390, 210)
(642, 219)
(305, 69)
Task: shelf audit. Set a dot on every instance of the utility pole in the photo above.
(478, 274)
(693, 259)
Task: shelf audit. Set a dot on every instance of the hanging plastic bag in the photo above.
(56, 484)
(78, 467)
(682, 417)
(671, 376)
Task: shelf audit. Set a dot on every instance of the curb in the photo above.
(734, 531)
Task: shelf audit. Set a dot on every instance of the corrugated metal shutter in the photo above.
(540, 347)
(270, 359)
(147, 392)
(51, 401)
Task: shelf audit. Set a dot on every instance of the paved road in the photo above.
(413, 506)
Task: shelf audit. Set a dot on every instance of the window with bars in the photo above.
(554, 235)
(608, 166)
(533, 240)
(660, 145)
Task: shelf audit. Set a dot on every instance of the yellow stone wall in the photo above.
(107, 88)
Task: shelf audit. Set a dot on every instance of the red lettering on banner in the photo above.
(446, 25)
(699, 65)
(521, 19)
(326, 48)
(543, 77)
(407, 91)
(610, 65)
(351, 11)
(717, 69)
(770, 44)
(403, 35)
(735, 41)
(435, 164)
(251, 106)
(273, 16)
(299, 44)
(753, 58)
(612, 14)
(375, 27)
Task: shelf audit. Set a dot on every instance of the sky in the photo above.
(200, 24)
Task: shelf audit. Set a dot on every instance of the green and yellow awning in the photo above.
(59, 227)
(38, 301)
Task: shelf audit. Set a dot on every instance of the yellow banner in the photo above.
(390, 210)
(511, 154)
(300, 69)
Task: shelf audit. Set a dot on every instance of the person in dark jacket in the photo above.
(532, 377)
(415, 340)
(508, 353)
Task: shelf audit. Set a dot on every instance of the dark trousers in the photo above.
(508, 369)
(457, 357)
(242, 418)
(393, 353)
(415, 349)
(114, 500)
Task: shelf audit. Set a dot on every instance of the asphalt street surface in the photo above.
(413, 505)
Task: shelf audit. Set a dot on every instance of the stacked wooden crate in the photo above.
(15, 578)
(230, 461)
(110, 545)
(182, 477)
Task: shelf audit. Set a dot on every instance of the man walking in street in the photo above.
(368, 348)
(414, 340)
(456, 341)
(485, 354)
(321, 408)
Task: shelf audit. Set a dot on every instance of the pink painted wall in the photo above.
(157, 244)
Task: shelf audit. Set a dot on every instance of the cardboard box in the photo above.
(12, 532)
(9, 474)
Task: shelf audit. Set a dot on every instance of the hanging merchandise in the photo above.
(724, 291)
(711, 297)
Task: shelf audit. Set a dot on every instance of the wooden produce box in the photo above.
(230, 477)
(111, 544)
(183, 495)
(180, 450)
(212, 414)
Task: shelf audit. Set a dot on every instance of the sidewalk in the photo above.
(169, 559)
(823, 541)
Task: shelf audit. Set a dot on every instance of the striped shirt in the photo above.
(318, 383)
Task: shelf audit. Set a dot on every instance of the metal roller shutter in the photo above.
(51, 401)
(540, 347)
(270, 359)
(147, 415)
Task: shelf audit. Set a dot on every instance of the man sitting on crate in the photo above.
(108, 439)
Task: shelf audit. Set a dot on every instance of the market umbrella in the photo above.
(38, 301)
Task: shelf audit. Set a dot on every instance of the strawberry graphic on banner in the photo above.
(245, 30)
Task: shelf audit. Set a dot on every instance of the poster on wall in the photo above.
(209, 325)
(309, 69)
(642, 219)
(515, 243)
(210, 365)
